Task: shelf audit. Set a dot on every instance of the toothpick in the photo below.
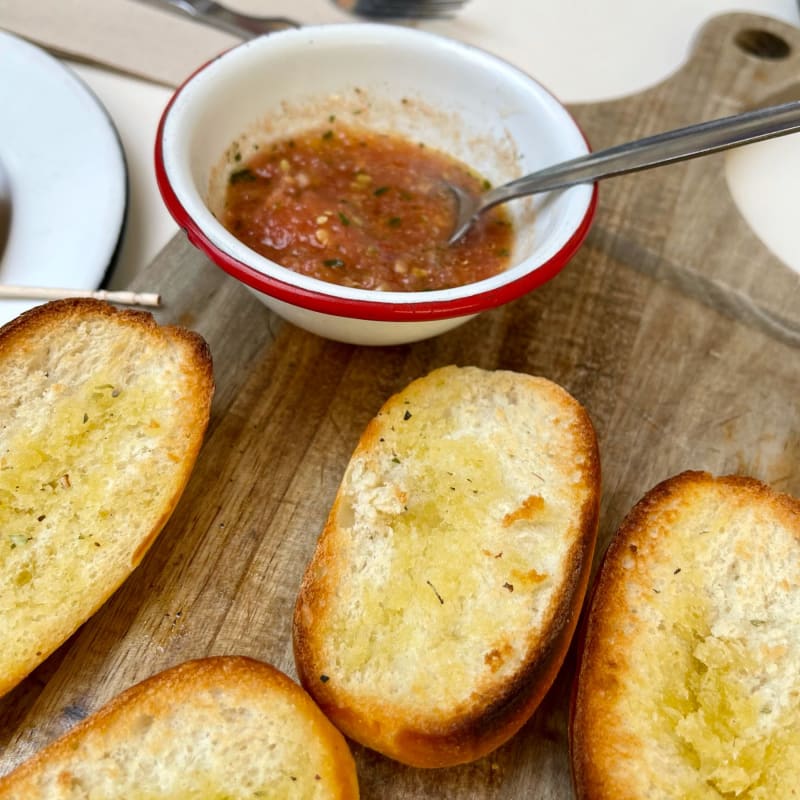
(47, 293)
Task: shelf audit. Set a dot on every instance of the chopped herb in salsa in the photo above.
(242, 175)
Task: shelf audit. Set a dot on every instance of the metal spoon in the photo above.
(401, 9)
(663, 148)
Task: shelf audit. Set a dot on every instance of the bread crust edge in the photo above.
(589, 782)
(194, 674)
(483, 729)
(33, 320)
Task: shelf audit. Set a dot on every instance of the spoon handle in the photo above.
(663, 148)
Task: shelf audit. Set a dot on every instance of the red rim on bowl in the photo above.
(378, 309)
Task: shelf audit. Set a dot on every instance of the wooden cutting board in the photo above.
(674, 326)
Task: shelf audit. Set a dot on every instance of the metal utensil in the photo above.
(401, 9)
(663, 148)
(246, 26)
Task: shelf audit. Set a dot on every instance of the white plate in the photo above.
(63, 180)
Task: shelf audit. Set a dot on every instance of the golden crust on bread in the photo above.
(102, 415)
(219, 727)
(445, 587)
(690, 672)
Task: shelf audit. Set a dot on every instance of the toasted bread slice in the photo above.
(690, 673)
(102, 414)
(224, 727)
(446, 584)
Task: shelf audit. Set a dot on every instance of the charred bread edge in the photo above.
(476, 734)
(631, 522)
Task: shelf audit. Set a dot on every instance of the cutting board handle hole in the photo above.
(762, 44)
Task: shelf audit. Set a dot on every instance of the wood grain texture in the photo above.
(674, 325)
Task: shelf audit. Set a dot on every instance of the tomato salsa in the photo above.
(363, 209)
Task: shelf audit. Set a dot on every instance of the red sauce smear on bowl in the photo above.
(363, 209)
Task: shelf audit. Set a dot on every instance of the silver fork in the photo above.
(247, 26)
(216, 15)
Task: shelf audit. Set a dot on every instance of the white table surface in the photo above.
(582, 50)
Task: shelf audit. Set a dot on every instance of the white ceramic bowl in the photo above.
(451, 96)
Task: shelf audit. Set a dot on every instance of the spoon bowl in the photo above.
(653, 151)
